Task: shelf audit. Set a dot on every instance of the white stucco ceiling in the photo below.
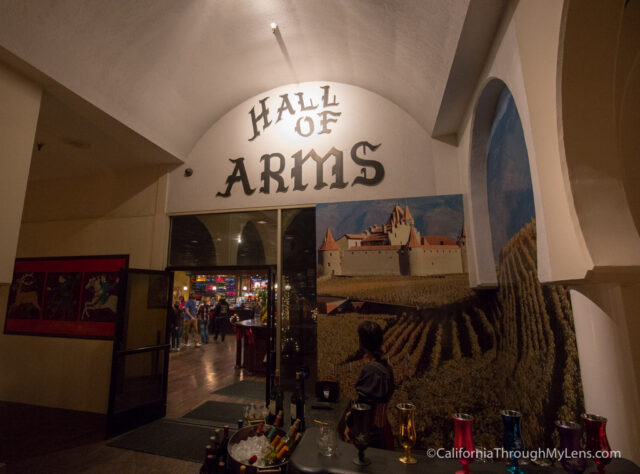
(169, 69)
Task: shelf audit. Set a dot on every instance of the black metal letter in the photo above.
(299, 128)
(376, 165)
(301, 102)
(336, 169)
(285, 105)
(264, 115)
(239, 174)
(268, 174)
(325, 98)
(296, 171)
(324, 120)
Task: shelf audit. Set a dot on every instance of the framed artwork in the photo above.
(65, 296)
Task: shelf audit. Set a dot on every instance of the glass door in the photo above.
(138, 392)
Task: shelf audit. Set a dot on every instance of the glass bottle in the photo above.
(217, 435)
(224, 444)
(276, 401)
(297, 403)
(292, 431)
(278, 421)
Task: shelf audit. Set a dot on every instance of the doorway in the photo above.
(236, 367)
(280, 239)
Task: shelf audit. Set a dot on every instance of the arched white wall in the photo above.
(414, 164)
(480, 235)
(523, 59)
(600, 123)
(606, 365)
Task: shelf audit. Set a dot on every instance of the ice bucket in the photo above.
(241, 435)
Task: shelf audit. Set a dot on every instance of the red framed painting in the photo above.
(65, 296)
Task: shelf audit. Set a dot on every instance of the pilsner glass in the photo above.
(597, 443)
(512, 438)
(407, 432)
(463, 440)
(570, 435)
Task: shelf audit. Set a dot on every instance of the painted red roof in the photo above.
(377, 237)
(413, 239)
(407, 215)
(438, 240)
(329, 243)
(354, 236)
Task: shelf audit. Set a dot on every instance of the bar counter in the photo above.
(306, 459)
(251, 345)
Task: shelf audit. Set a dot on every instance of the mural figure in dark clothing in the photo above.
(375, 385)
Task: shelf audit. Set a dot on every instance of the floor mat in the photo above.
(245, 389)
(171, 438)
(220, 412)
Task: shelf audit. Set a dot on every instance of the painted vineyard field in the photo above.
(422, 292)
(511, 348)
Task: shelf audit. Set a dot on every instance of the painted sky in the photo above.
(433, 215)
(509, 190)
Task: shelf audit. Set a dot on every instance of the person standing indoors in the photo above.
(221, 313)
(203, 320)
(177, 323)
(190, 321)
(181, 303)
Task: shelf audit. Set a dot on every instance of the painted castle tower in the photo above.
(395, 248)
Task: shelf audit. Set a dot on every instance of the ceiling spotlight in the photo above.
(274, 27)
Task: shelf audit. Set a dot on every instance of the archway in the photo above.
(497, 138)
(509, 189)
(251, 248)
(599, 105)
(193, 243)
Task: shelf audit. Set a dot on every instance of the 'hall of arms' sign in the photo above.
(312, 119)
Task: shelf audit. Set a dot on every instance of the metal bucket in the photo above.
(241, 435)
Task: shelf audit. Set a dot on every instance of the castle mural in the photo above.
(452, 348)
(393, 248)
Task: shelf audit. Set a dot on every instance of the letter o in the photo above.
(309, 120)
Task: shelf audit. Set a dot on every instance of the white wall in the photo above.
(121, 212)
(415, 165)
(20, 105)
(606, 364)
(600, 106)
